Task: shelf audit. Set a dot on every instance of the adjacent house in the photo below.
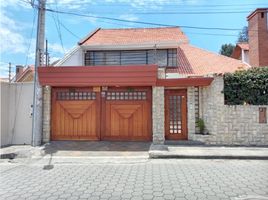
(24, 74)
(241, 52)
(255, 51)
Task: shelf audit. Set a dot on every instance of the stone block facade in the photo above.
(226, 124)
(46, 114)
(158, 112)
(190, 112)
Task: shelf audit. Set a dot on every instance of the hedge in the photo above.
(247, 87)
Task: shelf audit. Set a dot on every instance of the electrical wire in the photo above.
(144, 23)
(57, 24)
(31, 38)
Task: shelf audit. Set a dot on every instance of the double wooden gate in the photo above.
(113, 114)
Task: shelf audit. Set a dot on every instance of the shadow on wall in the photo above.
(56, 146)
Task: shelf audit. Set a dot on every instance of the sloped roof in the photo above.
(238, 50)
(243, 45)
(134, 36)
(195, 61)
(26, 75)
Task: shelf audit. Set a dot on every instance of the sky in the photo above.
(18, 21)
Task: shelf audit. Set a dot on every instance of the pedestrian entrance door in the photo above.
(176, 114)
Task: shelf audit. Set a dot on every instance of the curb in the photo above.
(180, 156)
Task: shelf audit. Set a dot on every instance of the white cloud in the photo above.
(151, 4)
(15, 4)
(129, 17)
(11, 39)
(55, 48)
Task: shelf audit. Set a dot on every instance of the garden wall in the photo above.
(229, 124)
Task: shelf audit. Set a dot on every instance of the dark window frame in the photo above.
(171, 57)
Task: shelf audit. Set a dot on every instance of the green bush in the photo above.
(247, 87)
(201, 125)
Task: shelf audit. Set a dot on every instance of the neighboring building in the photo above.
(137, 84)
(241, 52)
(255, 52)
(24, 74)
(4, 79)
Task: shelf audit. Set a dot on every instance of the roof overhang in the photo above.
(140, 75)
(152, 45)
(185, 82)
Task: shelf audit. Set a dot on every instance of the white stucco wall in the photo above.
(72, 58)
(16, 119)
(245, 56)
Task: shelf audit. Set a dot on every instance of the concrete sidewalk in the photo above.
(208, 152)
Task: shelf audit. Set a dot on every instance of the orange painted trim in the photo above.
(140, 75)
(185, 82)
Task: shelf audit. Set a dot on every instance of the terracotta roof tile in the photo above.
(135, 36)
(196, 61)
(244, 46)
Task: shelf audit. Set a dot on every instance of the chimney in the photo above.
(258, 37)
(19, 70)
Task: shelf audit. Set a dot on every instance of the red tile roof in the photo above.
(134, 36)
(26, 72)
(196, 61)
(243, 45)
(238, 50)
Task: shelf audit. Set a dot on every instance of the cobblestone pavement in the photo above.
(144, 179)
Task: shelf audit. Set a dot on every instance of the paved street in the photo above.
(136, 179)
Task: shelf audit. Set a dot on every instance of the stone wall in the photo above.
(190, 112)
(46, 114)
(158, 113)
(228, 125)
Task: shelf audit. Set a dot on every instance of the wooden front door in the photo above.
(176, 114)
(116, 114)
(75, 114)
(127, 114)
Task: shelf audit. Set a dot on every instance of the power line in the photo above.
(57, 24)
(144, 23)
(167, 3)
(183, 13)
(68, 30)
(31, 38)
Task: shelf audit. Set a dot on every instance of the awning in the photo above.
(145, 75)
(141, 75)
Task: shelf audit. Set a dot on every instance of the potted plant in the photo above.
(201, 126)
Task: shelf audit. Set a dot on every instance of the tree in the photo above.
(227, 49)
(243, 35)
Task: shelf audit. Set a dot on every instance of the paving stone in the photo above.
(153, 179)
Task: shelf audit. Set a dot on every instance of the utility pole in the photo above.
(9, 72)
(39, 62)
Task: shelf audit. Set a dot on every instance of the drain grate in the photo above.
(48, 167)
(8, 156)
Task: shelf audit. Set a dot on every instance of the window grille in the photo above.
(126, 96)
(67, 95)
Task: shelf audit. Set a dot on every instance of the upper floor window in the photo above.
(161, 57)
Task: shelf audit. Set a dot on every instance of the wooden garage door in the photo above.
(75, 114)
(114, 114)
(127, 114)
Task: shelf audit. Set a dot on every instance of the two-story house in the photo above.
(128, 84)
